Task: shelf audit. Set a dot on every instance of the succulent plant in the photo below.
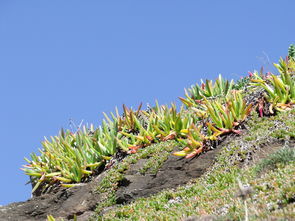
(208, 89)
(225, 116)
(280, 90)
(71, 157)
(212, 110)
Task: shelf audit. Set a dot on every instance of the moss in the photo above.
(156, 161)
(156, 154)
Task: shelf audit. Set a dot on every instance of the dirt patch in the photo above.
(264, 150)
(174, 172)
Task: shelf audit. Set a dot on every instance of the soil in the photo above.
(174, 172)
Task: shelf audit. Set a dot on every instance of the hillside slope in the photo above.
(227, 154)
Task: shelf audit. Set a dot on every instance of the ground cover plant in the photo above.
(280, 91)
(209, 113)
(221, 87)
(73, 156)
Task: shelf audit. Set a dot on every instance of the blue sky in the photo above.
(62, 60)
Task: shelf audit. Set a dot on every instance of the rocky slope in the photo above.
(153, 170)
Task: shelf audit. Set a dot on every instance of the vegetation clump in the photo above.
(280, 158)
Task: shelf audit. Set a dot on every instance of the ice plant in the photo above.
(226, 116)
(280, 90)
(51, 218)
(164, 123)
(287, 66)
(170, 123)
(194, 143)
(238, 107)
(128, 120)
(70, 157)
(144, 137)
(208, 89)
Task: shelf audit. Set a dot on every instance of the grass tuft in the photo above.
(280, 158)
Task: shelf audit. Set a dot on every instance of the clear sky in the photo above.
(62, 60)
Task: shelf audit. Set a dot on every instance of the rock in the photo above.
(79, 200)
(174, 172)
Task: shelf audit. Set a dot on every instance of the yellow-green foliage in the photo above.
(208, 89)
(70, 158)
(280, 90)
